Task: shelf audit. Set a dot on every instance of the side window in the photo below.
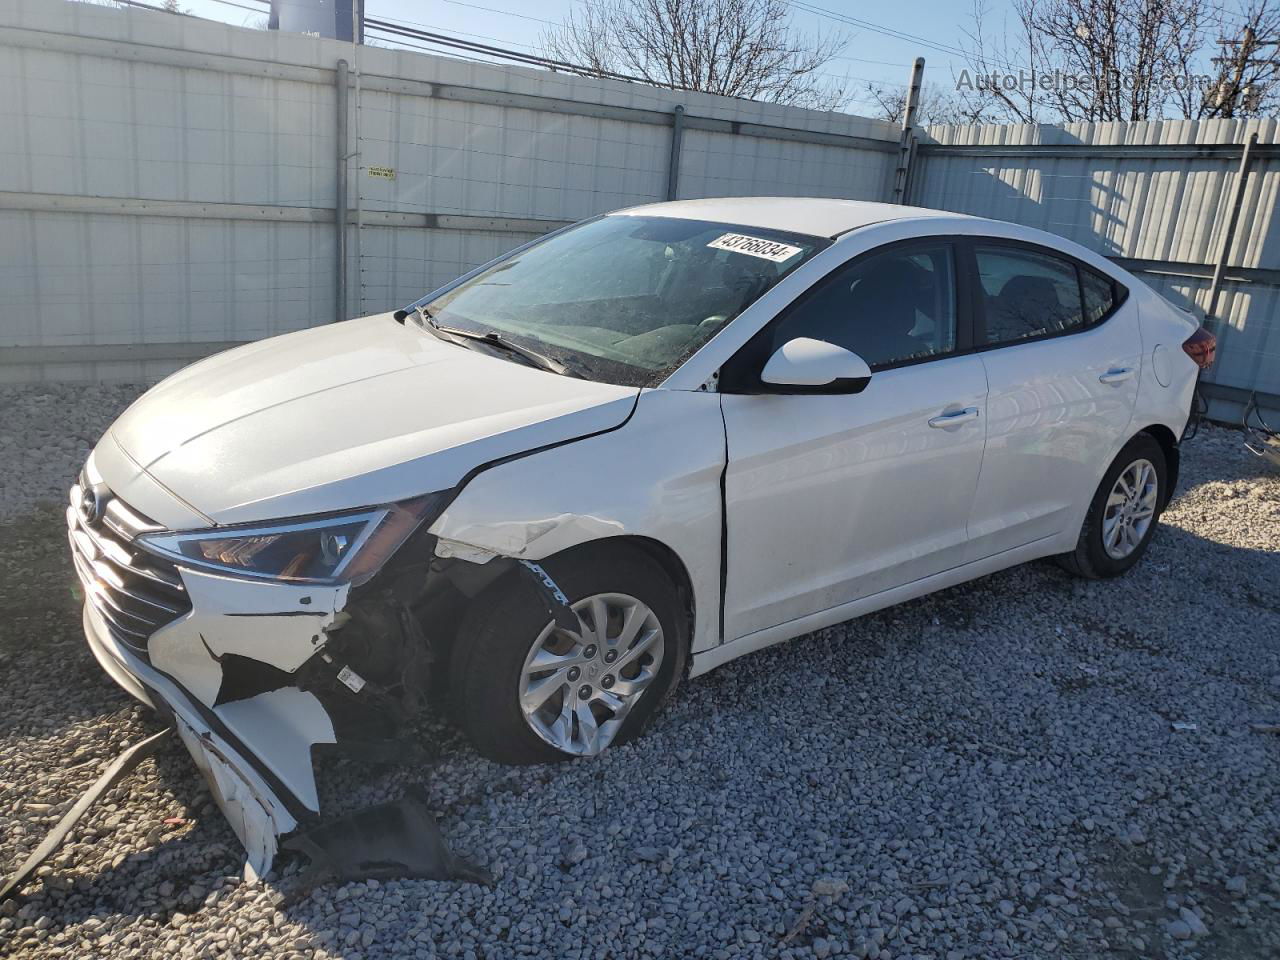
(1026, 294)
(886, 307)
(1099, 295)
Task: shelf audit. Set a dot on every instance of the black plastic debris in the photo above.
(399, 839)
(114, 773)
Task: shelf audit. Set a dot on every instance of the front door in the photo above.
(831, 498)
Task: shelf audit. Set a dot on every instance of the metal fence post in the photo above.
(906, 149)
(673, 165)
(340, 197)
(1228, 237)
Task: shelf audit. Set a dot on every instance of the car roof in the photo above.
(816, 216)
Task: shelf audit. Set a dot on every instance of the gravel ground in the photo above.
(988, 772)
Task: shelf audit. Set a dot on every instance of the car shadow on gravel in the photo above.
(1145, 887)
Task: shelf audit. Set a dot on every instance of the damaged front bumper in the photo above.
(221, 658)
(257, 674)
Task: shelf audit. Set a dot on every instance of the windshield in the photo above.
(624, 299)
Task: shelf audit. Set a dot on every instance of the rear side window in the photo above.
(1026, 294)
(1099, 295)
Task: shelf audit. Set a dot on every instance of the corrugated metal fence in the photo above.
(169, 185)
(1154, 197)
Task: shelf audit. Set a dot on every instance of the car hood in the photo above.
(347, 415)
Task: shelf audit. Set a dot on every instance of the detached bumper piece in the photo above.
(396, 839)
(383, 841)
(255, 799)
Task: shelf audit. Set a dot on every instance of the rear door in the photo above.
(1062, 353)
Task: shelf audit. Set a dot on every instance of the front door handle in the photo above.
(1117, 375)
(951, 419)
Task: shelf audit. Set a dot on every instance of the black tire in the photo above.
(501, 626)
(1090, 559)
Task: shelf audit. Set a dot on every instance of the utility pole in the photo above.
(1238, 56)
(906, 146)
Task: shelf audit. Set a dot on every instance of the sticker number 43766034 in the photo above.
(754, 247)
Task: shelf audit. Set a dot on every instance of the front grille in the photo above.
(135, 592)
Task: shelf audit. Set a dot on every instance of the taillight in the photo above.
(1201, 347)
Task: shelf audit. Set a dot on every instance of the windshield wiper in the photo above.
(493, 339)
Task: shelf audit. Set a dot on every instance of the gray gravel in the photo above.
(989, 772)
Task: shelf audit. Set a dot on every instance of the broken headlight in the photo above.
(348, 547)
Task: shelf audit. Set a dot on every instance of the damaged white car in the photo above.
(620, 455)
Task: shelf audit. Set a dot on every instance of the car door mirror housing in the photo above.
(806, 365)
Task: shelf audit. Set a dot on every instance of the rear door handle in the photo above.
(951, 419)
(1116, 375)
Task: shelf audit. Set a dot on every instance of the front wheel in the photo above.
(1123, 514)
(526, 691)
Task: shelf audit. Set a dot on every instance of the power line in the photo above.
(509, 13)
(391, 26)
(465, 33)
(891, 32)
(437, 51)
(399, 29)
(590, 71)
(894, 33)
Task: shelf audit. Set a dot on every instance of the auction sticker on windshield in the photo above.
(754, 247)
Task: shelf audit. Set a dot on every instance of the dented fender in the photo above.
(477, 541)
(544, 503)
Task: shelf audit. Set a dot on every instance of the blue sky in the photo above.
(873, 51)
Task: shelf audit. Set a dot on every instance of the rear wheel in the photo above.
(1123, 513)
(526, 691)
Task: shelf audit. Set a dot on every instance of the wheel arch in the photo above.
(672, 565)
(500, 574)
(1172, 456)
(662, 554)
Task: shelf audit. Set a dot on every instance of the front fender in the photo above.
(658, 477)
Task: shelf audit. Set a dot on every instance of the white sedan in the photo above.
(620, 455)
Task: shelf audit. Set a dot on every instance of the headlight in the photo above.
(347, 547)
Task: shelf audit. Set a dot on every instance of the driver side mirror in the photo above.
(806, 365)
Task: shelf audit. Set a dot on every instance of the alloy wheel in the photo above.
(1130, 510)
(576, 689)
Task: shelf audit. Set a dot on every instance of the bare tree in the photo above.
(1097, 60)
(736, 48)
(937, 105)
(1121, 50)
(1005, 65)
